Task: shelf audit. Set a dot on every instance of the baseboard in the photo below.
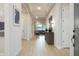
(65, 46)
(58, 47)
(18, 51)
(2, 54)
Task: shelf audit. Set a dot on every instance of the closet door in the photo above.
(65, 25)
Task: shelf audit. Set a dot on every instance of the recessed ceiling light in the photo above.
(36, 17)
(39, 8)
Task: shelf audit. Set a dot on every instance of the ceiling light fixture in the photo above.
(39, 8)
(36, 17)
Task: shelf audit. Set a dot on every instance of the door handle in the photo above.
(73, 36)
(73, 30)
(72, 39)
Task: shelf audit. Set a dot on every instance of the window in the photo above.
(40, 26)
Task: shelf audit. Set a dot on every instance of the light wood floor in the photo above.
(38, 47)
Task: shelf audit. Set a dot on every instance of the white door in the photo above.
(66, 28)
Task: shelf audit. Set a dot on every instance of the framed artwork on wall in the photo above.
(1, 25)
(16, 15)
(50, 19)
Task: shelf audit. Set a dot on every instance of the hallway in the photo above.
(38, 47)
(24, 21)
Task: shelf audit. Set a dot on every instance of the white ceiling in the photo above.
(42, 13)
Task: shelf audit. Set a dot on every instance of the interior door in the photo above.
(65, 25)
(76, 28)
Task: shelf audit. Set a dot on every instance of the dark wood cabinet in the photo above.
(49, 37)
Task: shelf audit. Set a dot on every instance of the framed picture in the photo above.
(50, 19)
(1, 25)
(16, 15)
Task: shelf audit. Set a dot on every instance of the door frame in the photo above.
(72, 18)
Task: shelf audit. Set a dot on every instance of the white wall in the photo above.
(1, 12)
(23, 33)
(2, 40)
(13, 33)
(57, 28)
(27, 26)
(56, 13)
(63, 28)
